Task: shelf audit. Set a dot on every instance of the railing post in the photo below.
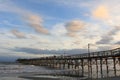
(101, 70)
(114, 63)
(96, 67)
(106, 60)
(82, 65)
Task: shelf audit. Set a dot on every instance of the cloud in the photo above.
(73, 27)
(76, 42)
(108, 38)
(107, 11)
(36, 22)
(29, 50)
(58, 29)
(18, 34)
(105, 47)
(105, 40)
(101, 12)
(10, 6)
(72, 34)
(117, 42)
(9, 55)
(50, 52)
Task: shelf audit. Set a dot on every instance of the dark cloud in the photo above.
(117, 42)
(107, 38)
(39, 51)
(30, 50)
(104, 48)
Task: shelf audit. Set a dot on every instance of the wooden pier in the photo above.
(93, 65)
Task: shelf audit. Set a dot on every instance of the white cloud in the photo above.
(59, 30)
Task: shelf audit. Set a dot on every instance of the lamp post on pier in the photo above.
(89, 49)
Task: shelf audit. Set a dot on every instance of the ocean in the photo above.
(15, 71)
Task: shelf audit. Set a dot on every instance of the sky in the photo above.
(37, 28)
